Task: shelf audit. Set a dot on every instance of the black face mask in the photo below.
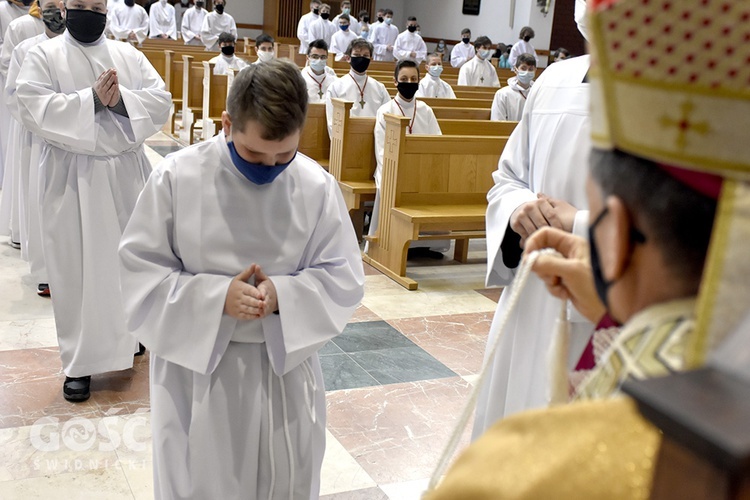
(129, 3)
(360, 64)
(466, 40)
(366, 19)
(199, 5)
(219, 8)
(526, 38)
(412, 29)
(53, 21)
(86, 26)
(407, 90)
(27, 3)
(228, 50)
(380, 19)
(316, 11)
(325, 15)
(600, 282)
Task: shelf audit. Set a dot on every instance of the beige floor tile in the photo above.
(408, 490)
(391, 301)
(340, 471)
(52, 447)
(85, 484)
(27, 334)
(18, 298)
(140, 476)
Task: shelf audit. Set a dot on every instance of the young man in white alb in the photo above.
(509, 101)
(432, 85)
(479, 71)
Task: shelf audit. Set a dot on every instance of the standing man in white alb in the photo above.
(384, 37)
(479, 71)
(28, 149)
(464, 51)
(409, 45)
(322, 28)
(94, 101)
(162, 22)
(523, 46)
(192, 22)
(129, 22)
(12, 213)
(432, 85)
(303, 27)
(317, 74)
(215, 23)
(540, 181)
(346, 10)
(235, 310)
(341, 40)
(8, 12)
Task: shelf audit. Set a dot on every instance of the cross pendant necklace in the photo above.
(361, 89)
(320, 83)
(410, 127)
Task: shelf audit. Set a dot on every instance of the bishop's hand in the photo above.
(568, 277)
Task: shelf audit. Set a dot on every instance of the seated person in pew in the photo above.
(342, 38)
(509, 101)
(227, 60)
(192, 20)
(317, 74)
(479, 71)
(215, 23)
(432, 85)
(162, 22)
(129, 22)
(423, 122)
(264, 47)
(367, 93)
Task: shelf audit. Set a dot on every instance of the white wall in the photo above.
(246, 12)
(399, 11)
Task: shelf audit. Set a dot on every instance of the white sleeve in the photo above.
(421, 52)
(158, 294)
(463, 76)
(316, 302)
(515, 51)
(208, 38)
(302, 29)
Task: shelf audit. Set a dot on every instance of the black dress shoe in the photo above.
(423, 253)
(77, 389)
(141, 350)
(43, 290)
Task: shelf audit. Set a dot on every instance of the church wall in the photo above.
(246, 12)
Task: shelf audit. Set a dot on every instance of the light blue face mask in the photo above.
(435, 71)
(257, 173)
(318, 64)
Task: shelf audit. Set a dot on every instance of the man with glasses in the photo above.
(318, 76)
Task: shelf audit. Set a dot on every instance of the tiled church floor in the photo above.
(396, 380)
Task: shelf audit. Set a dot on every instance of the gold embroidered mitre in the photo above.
(671, 83)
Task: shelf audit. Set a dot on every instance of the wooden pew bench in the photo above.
(314, 141)
(431, 184)
(352, 160)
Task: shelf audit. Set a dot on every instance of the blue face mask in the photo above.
(257, 173)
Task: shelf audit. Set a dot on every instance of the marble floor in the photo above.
(396, 380)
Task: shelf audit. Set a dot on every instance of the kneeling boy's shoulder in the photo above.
(311, 172)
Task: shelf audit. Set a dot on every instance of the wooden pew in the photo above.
(215, 91)
(462, 113)
(431, 184)
(352, 160)
(314, 141)
(436, 102)
(173, 83)
(192, 97)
